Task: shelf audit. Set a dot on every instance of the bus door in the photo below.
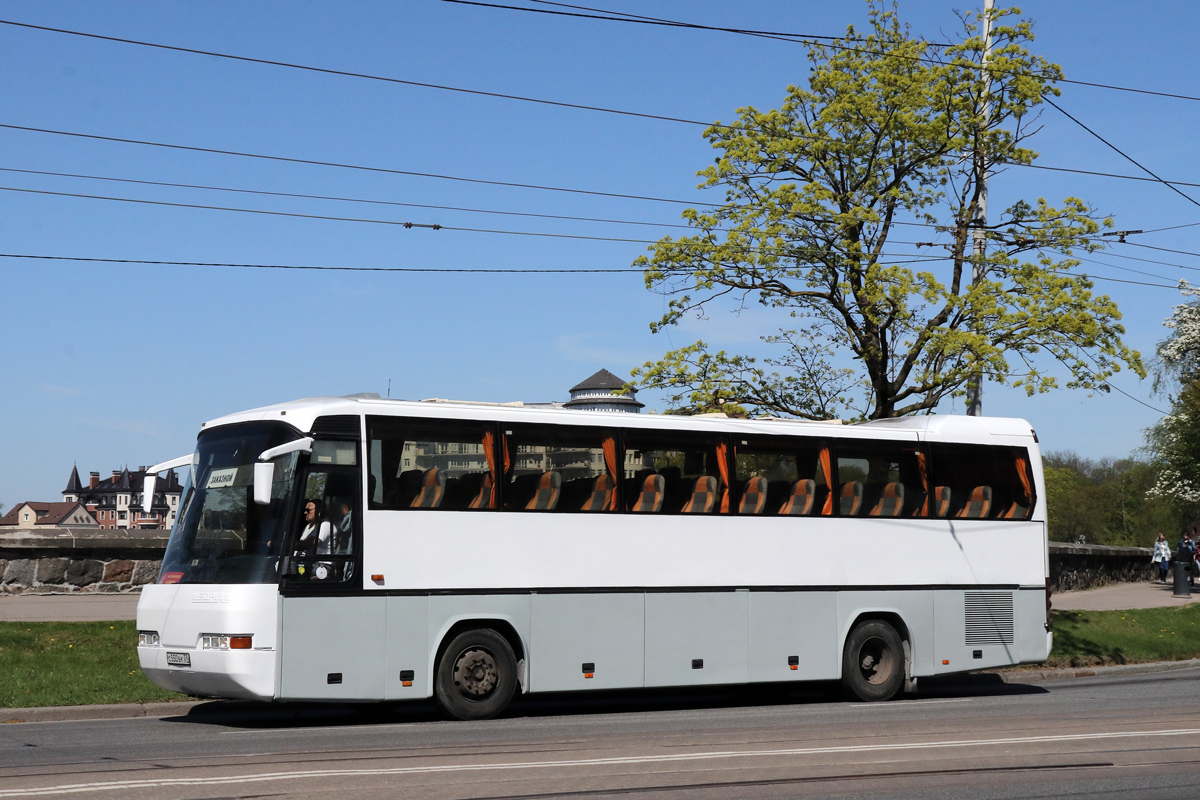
(333, 634)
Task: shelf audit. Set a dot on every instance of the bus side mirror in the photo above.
(148, 492)
(264, 470)
(264, 476)
(152, 477)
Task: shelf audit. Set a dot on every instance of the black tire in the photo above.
(477, 675)
(873, 662)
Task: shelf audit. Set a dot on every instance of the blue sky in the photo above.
(118, 364)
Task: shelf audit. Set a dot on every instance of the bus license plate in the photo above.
(179, 659)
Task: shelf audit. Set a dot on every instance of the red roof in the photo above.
(47, 513)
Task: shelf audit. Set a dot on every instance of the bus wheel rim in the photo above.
(476, 674)
(876, 661)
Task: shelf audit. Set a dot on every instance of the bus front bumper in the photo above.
(231, 674)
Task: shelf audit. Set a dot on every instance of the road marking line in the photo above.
(76, 788)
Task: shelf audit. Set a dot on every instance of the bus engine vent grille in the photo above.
(989, 618)
(341, 426)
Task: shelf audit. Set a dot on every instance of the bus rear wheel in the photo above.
(477, 675)
(873, 661)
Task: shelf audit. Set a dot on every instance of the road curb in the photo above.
(107, 711)
(1038, 675)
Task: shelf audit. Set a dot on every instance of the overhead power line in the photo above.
(1123, 154)
(434, 226)
(519, 271)
(463, 179)
(795, 38)
(360, 75)
(484, 270)
(339, 165)
(298, 195)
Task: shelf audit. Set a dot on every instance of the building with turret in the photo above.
(599, 393)
(116, 502)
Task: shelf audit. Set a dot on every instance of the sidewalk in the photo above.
(68, 607)
(1121, 596)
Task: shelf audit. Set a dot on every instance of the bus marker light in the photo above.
(793, 662)
(239, 642)
(377, 578)
(406, 677)
(589, 669)
(945, 661)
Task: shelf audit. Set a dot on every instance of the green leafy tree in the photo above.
(1107, 501)
(891, 131)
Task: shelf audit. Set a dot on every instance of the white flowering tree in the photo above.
(1175, 440)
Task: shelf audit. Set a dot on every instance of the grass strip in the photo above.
(1095, 638)
(72, 664)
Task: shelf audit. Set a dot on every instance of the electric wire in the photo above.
(796, 38)
(1122, 153)
(484, 270)
(433, 226)
(361, 75)
(340, 165)
(208, 187)
(464, 179)
(519, 271)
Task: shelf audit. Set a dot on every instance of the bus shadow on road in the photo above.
(980, 684)
(246, 714)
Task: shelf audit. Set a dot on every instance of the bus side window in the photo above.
(983, 482)
(693, 472)
(790, 472)
(881, 479)
(431, 464)
(559, 468)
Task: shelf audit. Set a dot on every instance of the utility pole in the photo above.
(975, 385)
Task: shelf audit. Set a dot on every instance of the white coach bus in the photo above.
(359, 549)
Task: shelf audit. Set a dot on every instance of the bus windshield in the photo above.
(222, 535)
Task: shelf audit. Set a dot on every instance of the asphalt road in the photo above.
(1134, 736)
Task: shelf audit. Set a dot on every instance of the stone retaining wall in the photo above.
(68, 560)
(1086, 566)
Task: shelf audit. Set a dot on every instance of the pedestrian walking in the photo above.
(1161, 557)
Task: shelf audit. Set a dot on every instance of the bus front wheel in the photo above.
(477, 675)
(873, 661)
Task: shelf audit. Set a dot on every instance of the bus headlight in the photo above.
(148, 639)
(222, 641)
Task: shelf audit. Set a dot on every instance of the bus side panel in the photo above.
(976, 629)
(407, 648)
(684, 629)
(786, 624)
(913, 607)
(333, 648)
(571, 630)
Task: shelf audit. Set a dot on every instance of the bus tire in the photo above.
(477, 675)
(873, 661)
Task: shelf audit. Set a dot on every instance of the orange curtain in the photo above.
(610, 461)
(924, 470)
(489, 450)
(723, 467)
(1023, 474)
(826, 460)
